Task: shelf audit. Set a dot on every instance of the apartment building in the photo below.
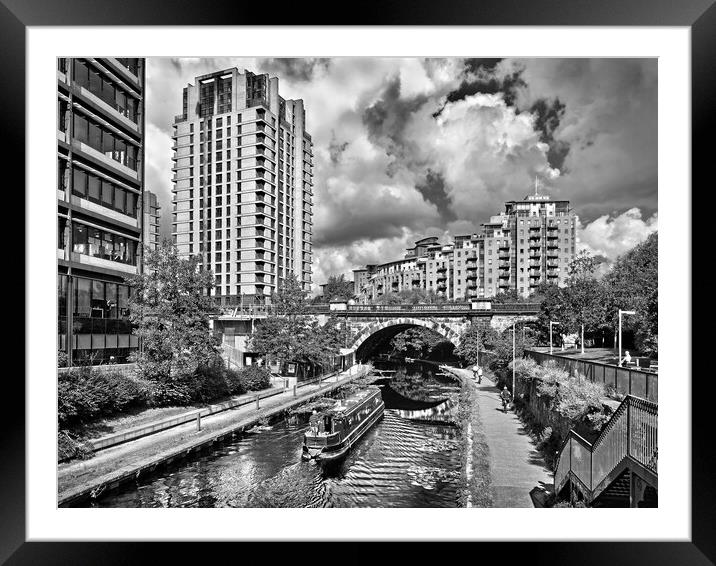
(100, 179)
(531, 242)
(243, 184)
(151, 209)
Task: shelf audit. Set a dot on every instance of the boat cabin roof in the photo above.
(345, 406)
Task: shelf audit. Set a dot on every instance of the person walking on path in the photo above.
(477, 373)
(506, 398)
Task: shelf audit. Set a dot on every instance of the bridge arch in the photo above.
(385, 330)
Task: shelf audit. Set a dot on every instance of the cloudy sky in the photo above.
(406, 148)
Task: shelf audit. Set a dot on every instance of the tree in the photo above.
(496, 345)
(584, 305)
(410, 297)
(338, 287)
(551, 299)
(467, 348)
(291, 334)
(417, 342)
(170, 308)
(633, 284)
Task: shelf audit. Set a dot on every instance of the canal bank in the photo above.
(117, 465)
(411, 458)
(517, 469)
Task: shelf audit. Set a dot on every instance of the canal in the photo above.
(411, 458)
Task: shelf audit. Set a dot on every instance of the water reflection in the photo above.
(410, 458)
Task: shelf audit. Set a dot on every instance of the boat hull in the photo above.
(337, 451)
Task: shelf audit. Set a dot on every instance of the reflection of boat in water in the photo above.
(334, 431)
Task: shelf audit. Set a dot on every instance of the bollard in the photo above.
(286, 383)
(198, 420)
(258, 399)
(294, 390)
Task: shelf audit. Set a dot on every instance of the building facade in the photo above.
(151, 212)
(243, 184)
(100, 178)
(532, 242)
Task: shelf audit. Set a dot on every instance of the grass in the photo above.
(469, 418)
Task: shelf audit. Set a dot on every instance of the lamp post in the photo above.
(477, 347)
(551, 323)
(514, 334)
(621, 312)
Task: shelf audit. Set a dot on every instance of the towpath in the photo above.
(516, 466)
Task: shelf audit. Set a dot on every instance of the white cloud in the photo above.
(611, 236)
(370, 194)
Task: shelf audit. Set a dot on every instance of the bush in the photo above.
(85, 393)
(61, 359)
(254, 378)
(169, 393)
(575, 402)
(69, 447)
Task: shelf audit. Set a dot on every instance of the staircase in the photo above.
(602, 472)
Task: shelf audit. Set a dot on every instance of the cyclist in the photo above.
(506, 398)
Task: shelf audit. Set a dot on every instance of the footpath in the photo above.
(516, 466)
(115, 465)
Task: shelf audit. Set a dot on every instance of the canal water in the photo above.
(410, 458)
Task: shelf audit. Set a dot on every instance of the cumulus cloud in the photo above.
(411, 147)
(610, 236)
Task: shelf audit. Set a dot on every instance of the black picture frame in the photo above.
(699, 15)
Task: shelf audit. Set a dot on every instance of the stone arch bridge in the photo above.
(371, 325)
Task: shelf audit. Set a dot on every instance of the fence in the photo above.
(624, 380)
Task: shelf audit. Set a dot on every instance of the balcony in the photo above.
(441, 278)
(504, 275)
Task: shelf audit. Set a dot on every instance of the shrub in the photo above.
(69, 447)
(254, 378)
(169, 393)
(61, 359)
(85, 393)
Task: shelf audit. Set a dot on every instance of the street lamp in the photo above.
(477, 347)
(621, 312)
(514, 333)
(551, 323)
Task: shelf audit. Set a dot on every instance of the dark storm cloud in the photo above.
(507, 85)
(335, 149)
(433, 191)
(295, 69)
(387, 118)
(480, 77)
(548, 115)
(475, 65)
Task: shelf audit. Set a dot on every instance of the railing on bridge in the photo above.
(231, 309)
(627, 381)
(432, 307)
(630, 435)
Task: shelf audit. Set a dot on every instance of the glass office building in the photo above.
(100, 179)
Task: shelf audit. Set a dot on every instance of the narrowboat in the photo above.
(334, 431)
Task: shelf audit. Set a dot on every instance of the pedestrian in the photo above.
(627, 358)
(505, 397)
(479, 374)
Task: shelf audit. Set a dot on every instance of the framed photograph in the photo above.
(391, 279)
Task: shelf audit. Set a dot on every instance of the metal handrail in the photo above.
(630, 433)
(629, 381)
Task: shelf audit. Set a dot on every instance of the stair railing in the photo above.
(630, 433)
